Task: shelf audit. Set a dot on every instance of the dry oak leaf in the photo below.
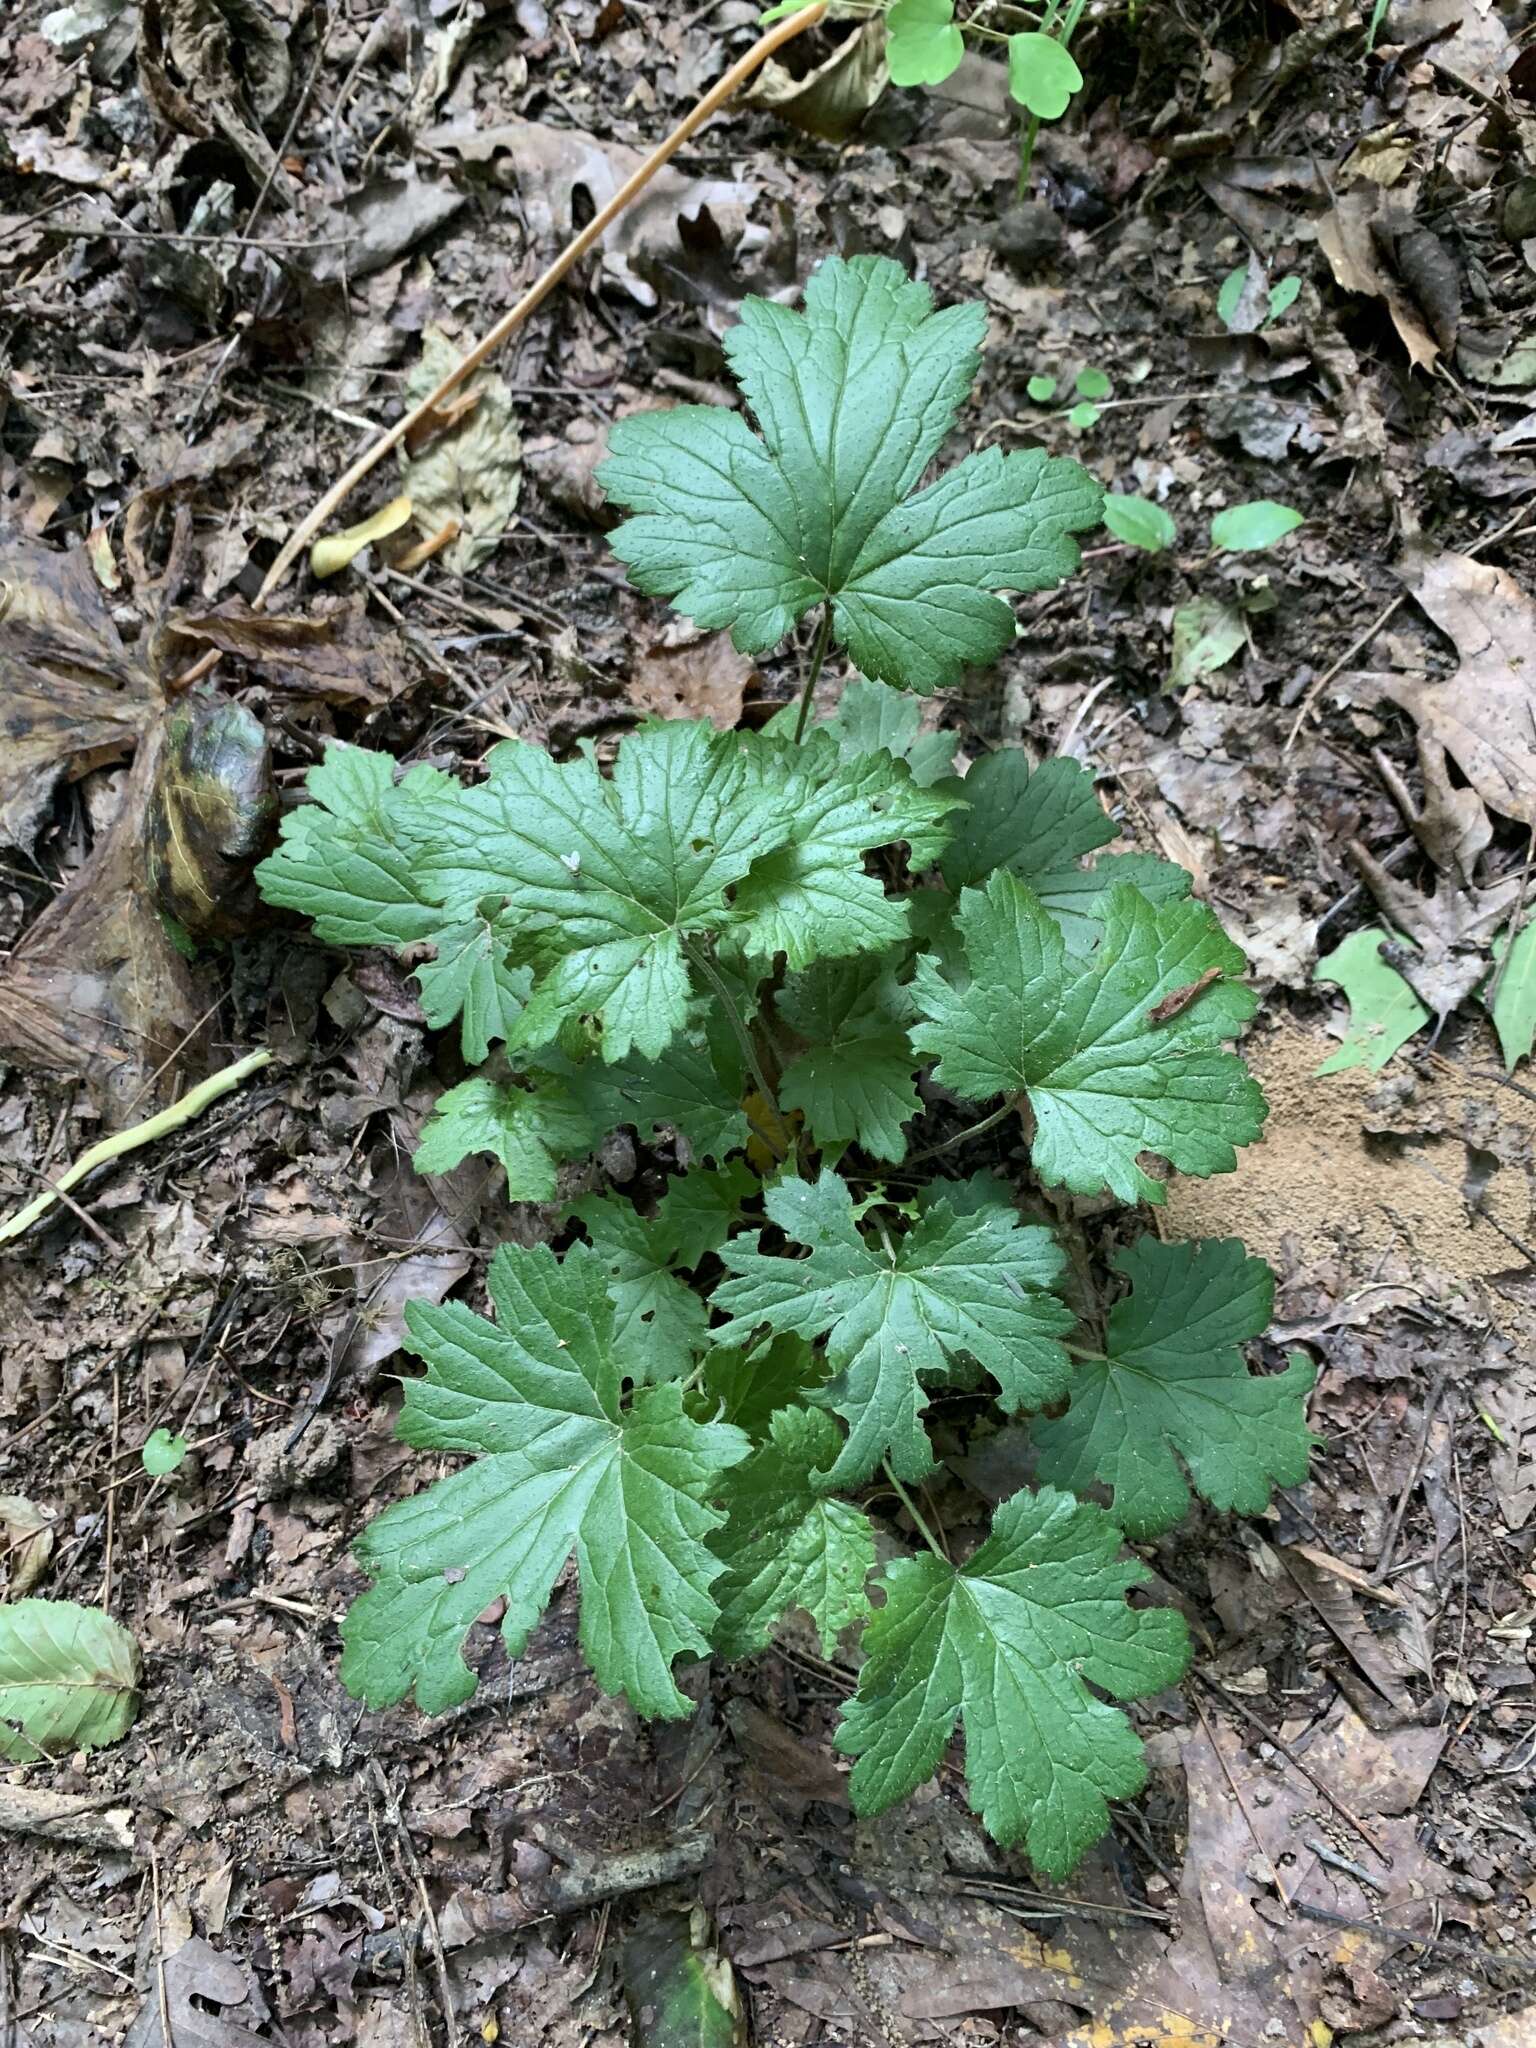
(1484, 715)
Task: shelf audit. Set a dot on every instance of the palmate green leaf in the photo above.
(565, 1467)
(898, 1312)
(342, 858)
(659, 1322)
(1039, 823)
(748, 1384)
(811, 899)
(472, 979)
(854, 398)
(694, 1087)
(1010, 1644)
(786, 1543)
(701, 1207)
(1106, 1079)
(1173, 1380)
(610, 882)
(854, 1080)
(871, 716)
(69, 1679)
(530, 1130)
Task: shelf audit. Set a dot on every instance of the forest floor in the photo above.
(230, 230)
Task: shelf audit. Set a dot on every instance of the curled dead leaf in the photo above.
(333, 551)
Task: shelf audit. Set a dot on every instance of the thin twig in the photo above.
(712, 101)
(1242, 1804)
(1297, 1763)
(1394, 1528)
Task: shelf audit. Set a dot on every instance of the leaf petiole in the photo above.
(813, 672)
(910, 1505)
(738, 1023)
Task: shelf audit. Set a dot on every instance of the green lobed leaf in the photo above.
(853, 1082)
(922, 44)
(786, 1543)
(1009, 1645)
(1038, 823)
(343, 858)
(1042, 75)
(812, 899)
(693, 1087)
(530, 1130)
(565, 1466)
(900, 1312)
(1384, 1012)
(748, 1384)
(1173, 1380)
(472, 979)
(854, 398)
(659, 1322)
(69, 1679)
(1106, 1081)
(699, 1208)
(872, 715)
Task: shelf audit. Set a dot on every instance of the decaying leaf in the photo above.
(688, 674)
(210, 2001)
(681, 1992)
(337, 658)
(210, 816)
(1360, 260)
(333, 551)
(1450, 931)
(1484, 716)
(469, 477)
(71, 695)
(831, 100)
(96, 987)
(26, 1544)
(550, 166)
(218, 67)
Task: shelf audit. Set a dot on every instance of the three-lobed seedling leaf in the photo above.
(768, 959)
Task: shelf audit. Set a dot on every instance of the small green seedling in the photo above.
(162, 1452)
(749, 948)
(925, 43)
(1243, 529)
(1139, 522)
(1248, 302)
(1041, 388)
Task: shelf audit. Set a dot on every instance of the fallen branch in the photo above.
(191, 1105)
(628, 192)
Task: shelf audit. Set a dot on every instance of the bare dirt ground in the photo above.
(230, 230)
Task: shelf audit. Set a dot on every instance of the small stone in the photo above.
(1027, 236)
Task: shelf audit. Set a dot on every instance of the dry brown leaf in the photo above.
(550, 166)
(71, 696)
(830, 101)
(1347, 236)
(1485, 715)
(699, 676)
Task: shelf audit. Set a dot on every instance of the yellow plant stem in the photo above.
(191, 1105)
